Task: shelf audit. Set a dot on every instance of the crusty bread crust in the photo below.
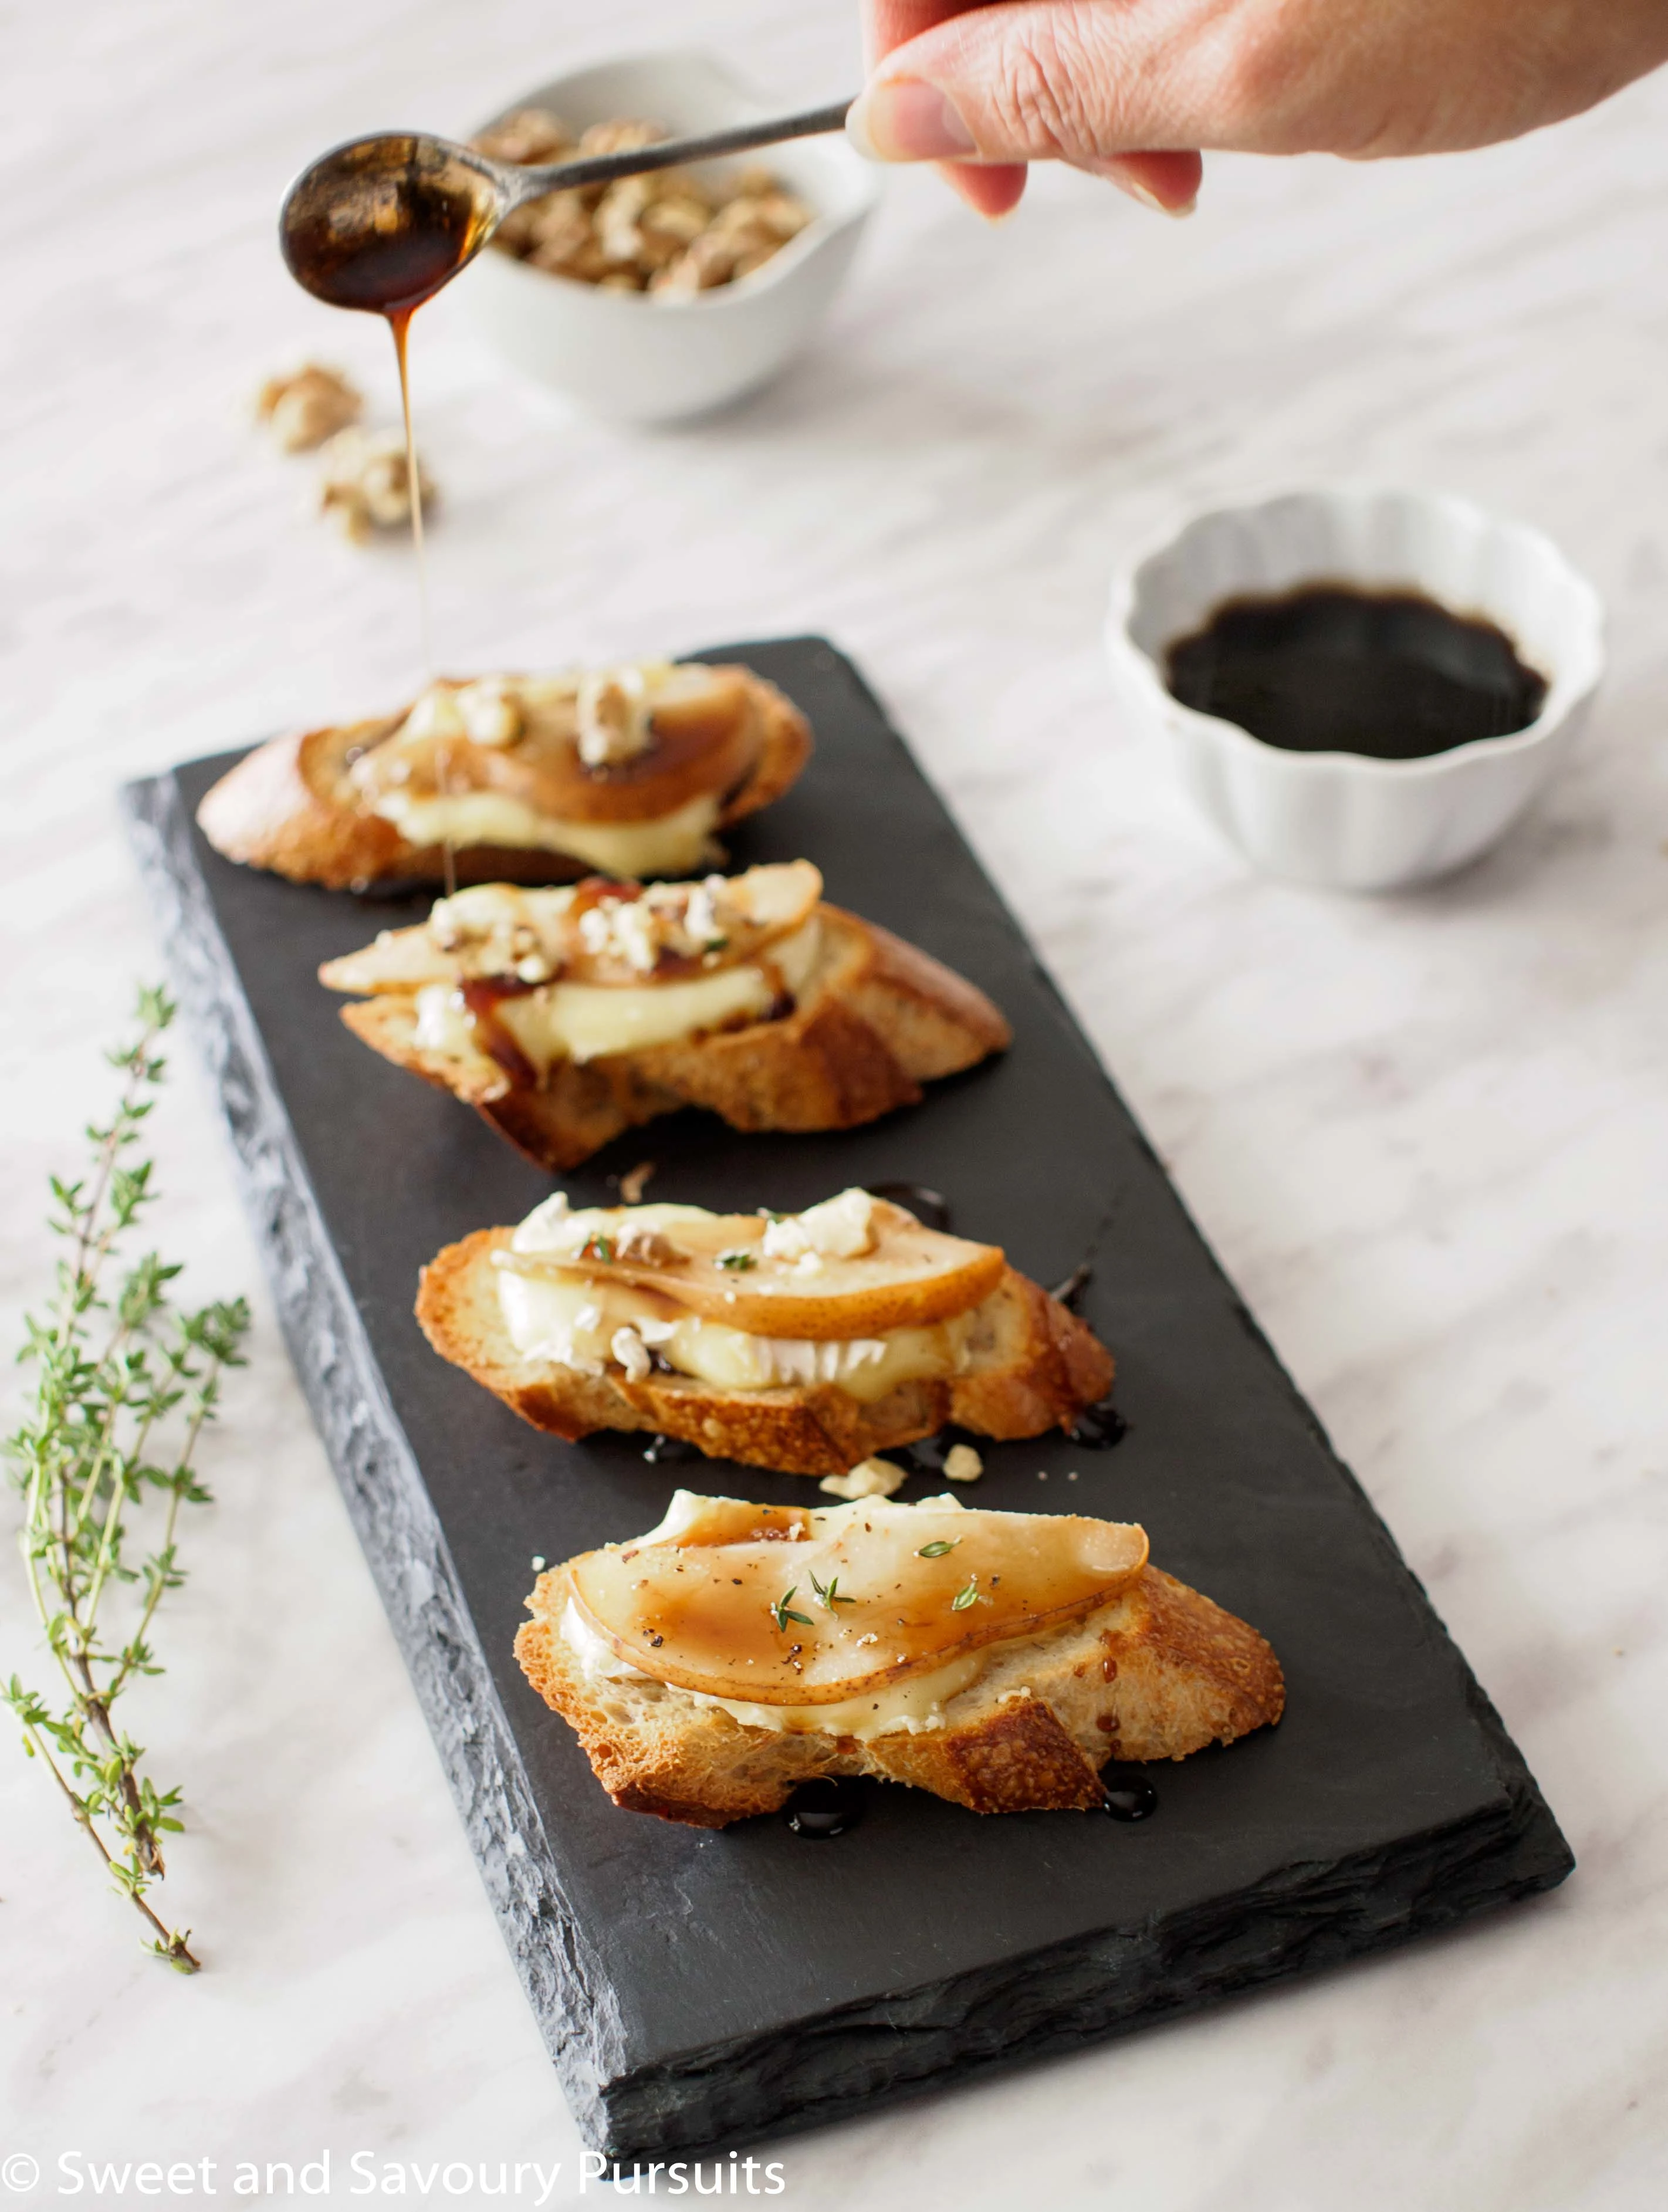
(1032, 1366)
(286, 807)
(1158, 1673)
(876, 1020)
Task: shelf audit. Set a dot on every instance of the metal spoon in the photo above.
(382, 223)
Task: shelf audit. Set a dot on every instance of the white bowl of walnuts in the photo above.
(664, 295)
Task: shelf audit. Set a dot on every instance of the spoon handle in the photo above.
(670, 152)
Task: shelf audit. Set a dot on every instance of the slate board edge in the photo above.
(386, 1499)
(845, 2061)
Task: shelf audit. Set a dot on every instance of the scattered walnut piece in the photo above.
(646, 1247)
(963, 1464)
(305, 408)
(632, 1185)
(364, 486)
(668, 233)
(614, 716)
(870, 1478)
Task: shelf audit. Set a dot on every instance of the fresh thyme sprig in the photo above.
(125, 1382)
(830, 1596)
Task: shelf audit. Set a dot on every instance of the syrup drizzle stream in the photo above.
(399, 322)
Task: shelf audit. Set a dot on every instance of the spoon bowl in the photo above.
(381, 223)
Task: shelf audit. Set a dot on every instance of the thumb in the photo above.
(1035, 80)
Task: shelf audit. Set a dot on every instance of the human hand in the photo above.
(985, 89)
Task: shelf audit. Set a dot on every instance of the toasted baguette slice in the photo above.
(301, 805)
(1031, 1365)
(870, 1023)
(1158, 1673)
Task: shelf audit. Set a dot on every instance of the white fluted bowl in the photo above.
(1345, 821)
(630, 356)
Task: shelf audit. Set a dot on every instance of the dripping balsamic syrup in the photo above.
(1099, 1427)
(1127, 1794)
(383, 240)
(831, 1805)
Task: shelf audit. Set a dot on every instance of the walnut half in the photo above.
(365, 488)
(304, 409)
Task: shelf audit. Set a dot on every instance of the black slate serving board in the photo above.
(699, 1989)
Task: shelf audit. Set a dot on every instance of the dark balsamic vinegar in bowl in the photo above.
(1328, 668)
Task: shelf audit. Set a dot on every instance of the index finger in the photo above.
(991, 188)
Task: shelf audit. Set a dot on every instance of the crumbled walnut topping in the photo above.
(669, 233)
(364, 485)
(686, 921)
(303, 410)
(648, 1248)
(629, 1349)
(615, 717)
(491, 711)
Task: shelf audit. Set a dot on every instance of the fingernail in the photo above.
(903, 119)
(1151, 199)
(1115, 174)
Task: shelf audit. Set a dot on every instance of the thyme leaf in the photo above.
(781, 1616)
(830, 1596)
(965, 1596)
(938, 1551)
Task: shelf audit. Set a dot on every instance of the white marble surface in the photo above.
(1426, 1135)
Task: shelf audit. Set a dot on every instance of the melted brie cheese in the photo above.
(913, 1707)
(670, 845)
(573, 1324)
(585, 1021)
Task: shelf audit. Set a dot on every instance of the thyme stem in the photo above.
(118, 1368)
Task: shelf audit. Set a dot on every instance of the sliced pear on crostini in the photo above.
(813, 1607)
(491, 929)
(723, 1266)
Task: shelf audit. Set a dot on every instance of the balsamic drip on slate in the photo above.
(670, 1451)
(828, 1806)
(1098, 1428)
(1127, 1794)
(930, 1207)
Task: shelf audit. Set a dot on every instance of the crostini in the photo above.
(804, 1342)
(999, 1659)
(625, 771)
(566, 1015)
